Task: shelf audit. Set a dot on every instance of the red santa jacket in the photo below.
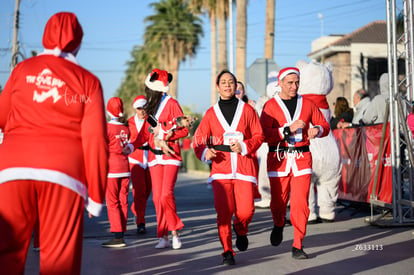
(53, 117)
(211, 132)
(118, 136)
(136, 127)
(274, 118)
(167, 112)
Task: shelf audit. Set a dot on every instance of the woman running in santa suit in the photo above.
(229, 135)
(163, 167)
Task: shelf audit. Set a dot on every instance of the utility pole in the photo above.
(231, 61)
(15, 45)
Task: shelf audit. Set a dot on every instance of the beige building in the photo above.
(359, 59)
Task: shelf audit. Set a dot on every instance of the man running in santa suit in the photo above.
(289, 121)
(138, 164)
(54, 157)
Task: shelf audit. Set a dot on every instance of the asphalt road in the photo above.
(350, 245)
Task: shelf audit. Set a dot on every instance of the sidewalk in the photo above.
(347, 246)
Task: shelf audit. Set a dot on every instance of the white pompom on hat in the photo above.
(139, 102)
(286, 71)
(115, 107)
(158, 80)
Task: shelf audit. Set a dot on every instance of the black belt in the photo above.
(301, 149)
(156, 151)
(145, 147)
(223, 148)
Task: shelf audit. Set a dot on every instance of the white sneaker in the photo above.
(163, 243)
(264, 203)
(176, 242)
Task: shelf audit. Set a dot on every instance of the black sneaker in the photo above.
(141, 229)
(114, 243)
(299, 254)
(242, 242)
(228, 258)
(277, 235)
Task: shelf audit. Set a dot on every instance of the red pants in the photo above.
(163, 182)
(141, 189)
(117, 203)
(232, 197)
(299, 210)
(60, 213)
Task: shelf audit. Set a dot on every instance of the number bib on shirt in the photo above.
(232, 137)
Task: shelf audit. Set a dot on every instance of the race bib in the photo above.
(232, 137)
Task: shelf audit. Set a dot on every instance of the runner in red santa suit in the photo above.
(229, 135)
(289, 121)
(163, 166)
(138, 164)
(54, 156)
(118, 173)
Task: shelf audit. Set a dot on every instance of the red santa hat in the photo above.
(158, 80)
(288, 70)
(115, 107)
(139, 102)
(63, 33)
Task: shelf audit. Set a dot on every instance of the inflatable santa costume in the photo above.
(316, 83)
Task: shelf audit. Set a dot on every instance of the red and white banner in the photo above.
(360, 150)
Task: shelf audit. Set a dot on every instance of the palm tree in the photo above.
(241, 38)
(270, 29)
(144, 59)
(209, 6)
(175, 32)
(222, 9)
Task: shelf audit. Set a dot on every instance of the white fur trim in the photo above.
(139, 103)
(156, 85)
(285, 73)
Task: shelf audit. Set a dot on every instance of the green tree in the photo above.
(143, 60)
(175, 32)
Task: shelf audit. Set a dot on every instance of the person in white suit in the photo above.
(316, 82)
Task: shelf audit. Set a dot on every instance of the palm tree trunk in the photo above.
(213, 46)
(270, 29)
(241, 37)
(222, 36)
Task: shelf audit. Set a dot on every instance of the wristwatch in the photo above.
(286, 132)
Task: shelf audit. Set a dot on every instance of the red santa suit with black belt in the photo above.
(118, 170)
(54, 155)
(164, 168)
(290, 172)
(138, 164)
(233, 175)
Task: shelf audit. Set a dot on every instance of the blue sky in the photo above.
(113, 28)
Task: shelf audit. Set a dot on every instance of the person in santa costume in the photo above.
(229, 135)
(138, 164)
(54, 156)
(289, 121)
(164, 158)
(118, 173)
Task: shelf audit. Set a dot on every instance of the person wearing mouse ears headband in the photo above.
(289, 121)
(163, 166)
